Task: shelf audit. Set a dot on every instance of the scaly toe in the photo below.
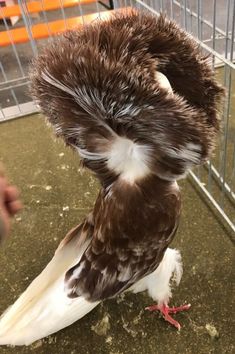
(165, 311)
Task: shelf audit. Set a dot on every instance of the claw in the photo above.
(165, 311)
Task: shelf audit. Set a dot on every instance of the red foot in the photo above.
(165, 311)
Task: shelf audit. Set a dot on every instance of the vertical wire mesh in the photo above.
(212, 23)
(15, 57)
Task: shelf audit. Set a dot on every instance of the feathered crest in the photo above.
(98, 83)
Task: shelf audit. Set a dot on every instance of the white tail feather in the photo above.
(44, 307)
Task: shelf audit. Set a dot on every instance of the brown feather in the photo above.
(133, 227)
(98, 83)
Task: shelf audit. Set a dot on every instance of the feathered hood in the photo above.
(100, 81)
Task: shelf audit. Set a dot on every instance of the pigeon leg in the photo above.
(165, 311)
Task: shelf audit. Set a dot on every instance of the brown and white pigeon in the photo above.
(137, 100)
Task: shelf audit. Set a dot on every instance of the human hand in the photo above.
(9, 204)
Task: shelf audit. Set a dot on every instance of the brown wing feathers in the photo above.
(129, 240)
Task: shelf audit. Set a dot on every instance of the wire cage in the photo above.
(26, 26)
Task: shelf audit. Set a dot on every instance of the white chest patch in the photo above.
(129, 159)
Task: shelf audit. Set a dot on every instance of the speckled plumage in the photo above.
(100, 82)
(138, 101)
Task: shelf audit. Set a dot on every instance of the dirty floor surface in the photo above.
(56, 195)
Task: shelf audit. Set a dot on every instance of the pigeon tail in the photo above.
(44, 307)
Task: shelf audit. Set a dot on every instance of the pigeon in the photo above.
(134, 96)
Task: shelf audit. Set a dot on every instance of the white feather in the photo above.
(163, 82)
(129, 159)
(190, 153)
(158, 282)
(125, 157)
(44, 307)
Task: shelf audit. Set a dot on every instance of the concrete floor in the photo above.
(56, 195)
